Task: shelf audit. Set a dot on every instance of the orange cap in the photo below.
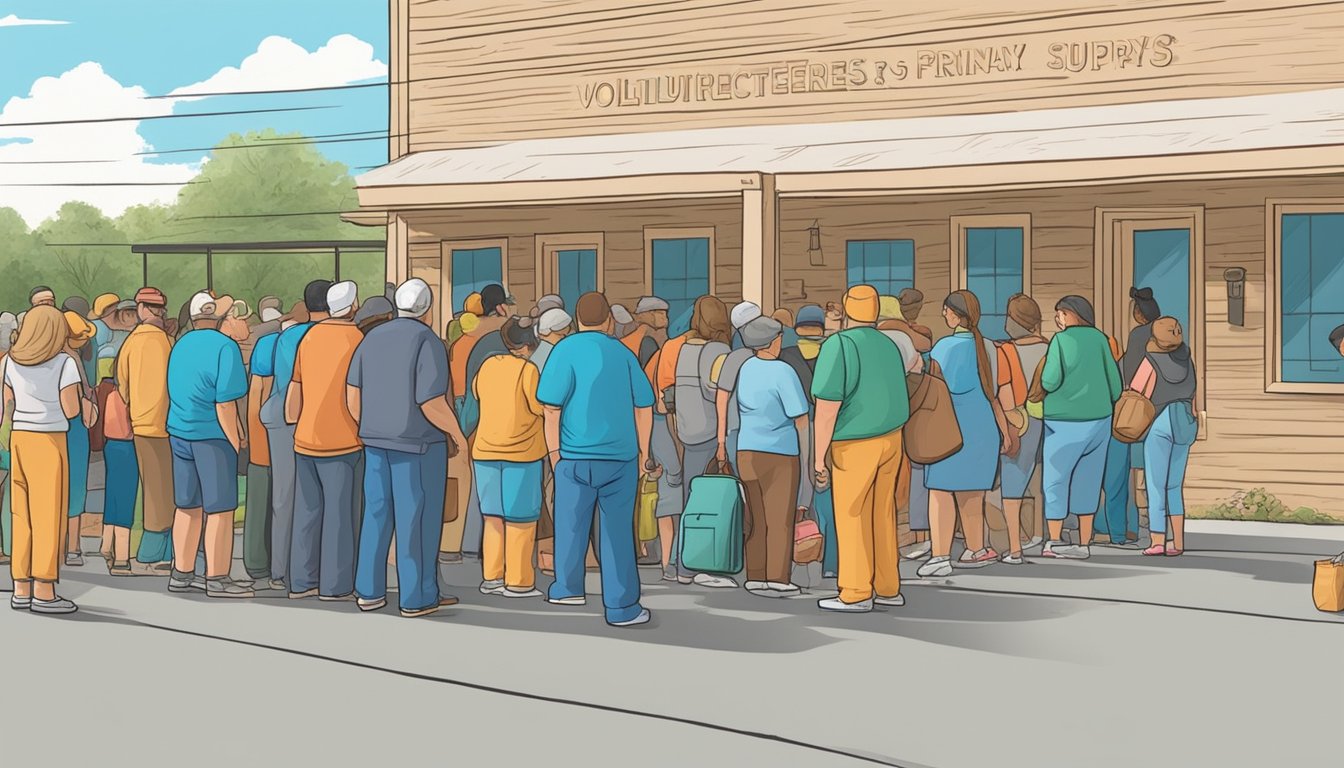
(862, 304)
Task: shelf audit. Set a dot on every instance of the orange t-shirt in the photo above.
(325, 426)
(666, 374)
(458, 354)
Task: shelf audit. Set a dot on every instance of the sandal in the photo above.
(1174, 552)
(1157, 550)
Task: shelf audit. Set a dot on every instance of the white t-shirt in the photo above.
(37, 392)
(909, 355)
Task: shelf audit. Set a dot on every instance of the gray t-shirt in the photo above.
(697, 418)
(399, 366)
(727, 381)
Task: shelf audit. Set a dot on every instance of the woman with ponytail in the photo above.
(958, 483)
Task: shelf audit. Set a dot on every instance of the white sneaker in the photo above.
(756, 586)
(713, 582)
(784, 589)
(918, 551)
(642, 618)
(521, 593)
(571, 600)
(1011, 559)
(892, 602)
(840, 606)
(938, 567)
(492, 587)
(1062, 551)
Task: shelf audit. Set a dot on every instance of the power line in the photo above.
(258, 215)
(54, 162)
(312, 89)
(167, 117)
(334, 138)
(102, 184)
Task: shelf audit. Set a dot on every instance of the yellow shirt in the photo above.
(511, 425)
(142, 379)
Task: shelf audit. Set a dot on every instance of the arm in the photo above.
(440, 414)
(644, 431)
(1113, 380)
(552, 430)
(70, 400)
(1145, 379)
(7, 397)
(293, 403)
(123, 376)
(827, 411)
(1052, 376)
(352, 401)
(803, 425)
(721, 398)
(228, 421)
(256, 393)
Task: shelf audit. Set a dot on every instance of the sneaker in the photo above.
(120, 569)
(891, 602)
(492, 587)
(784, 589)
(180, 582)
(649, 561)
(840, 606)
(198, 582)
(683, 579)
(279, 585)
(571, 600)
(337, 598)
(444, 602)
(304, 594)
(918, 551)
(938, 567)
(1011, 559)
(713, 582)
(1062, 551)
(1157, 550)
(20, 603)
(73, 560)
(1032, 543)
(756, 586)
(670, 573)
(978, 559)
(642, 618)
(375, 604)
(511, 592)
(830, 575)
(448, 558)
(57, 607)
(227, 588)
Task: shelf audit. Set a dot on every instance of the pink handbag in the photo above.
(808, 543)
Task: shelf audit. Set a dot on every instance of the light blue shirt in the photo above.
(542, 354)
(596, 383)
(204, 369)
(282, 371)
(769, 398)
(263, 355)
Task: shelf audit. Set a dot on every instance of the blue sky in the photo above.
(162, 45)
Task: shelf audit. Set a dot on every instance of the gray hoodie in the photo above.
(1175, 377)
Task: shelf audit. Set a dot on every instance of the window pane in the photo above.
(1296, 340)
(854, 262)
(697, 257)
(1008, 250)
(983, 288)
(1318, 339)
(1327, 263)
(980, 248)
(1312, 281)
(1296, 255)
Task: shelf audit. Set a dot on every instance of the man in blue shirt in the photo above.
(280, 371)
(599, 415)
(206, 378)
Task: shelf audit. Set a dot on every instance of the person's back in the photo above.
(769, 398)
(589, 376)
(1081, 378)
(397, 362)
(510, 428)
(286, 349)
(870, 405)
(205, 368)
(458, 355)
(697, 419)
(37, 392)
(325, 426)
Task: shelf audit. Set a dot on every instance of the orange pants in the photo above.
(40, 487)
(506, 553)
(864, 492)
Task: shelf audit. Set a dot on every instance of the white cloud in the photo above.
(280, 63)
(14, 21)
(85, 92)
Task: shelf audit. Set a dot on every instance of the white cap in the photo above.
(744, 313)
(270, 314)
(413, 298)
(621, 315)
(553, 320)
(341, 298)
(199, 302)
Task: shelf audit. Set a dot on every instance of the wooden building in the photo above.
(779, 151)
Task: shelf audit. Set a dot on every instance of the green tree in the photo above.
(85, 253)
(20, 252)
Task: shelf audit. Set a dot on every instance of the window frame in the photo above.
(958, 225)
(677, 233)
(548, 245)
(446, 248)
(1275, 209)
(914, 255)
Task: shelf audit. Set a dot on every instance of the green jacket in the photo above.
(1080, 378)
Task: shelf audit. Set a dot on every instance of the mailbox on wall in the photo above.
(1236, 295)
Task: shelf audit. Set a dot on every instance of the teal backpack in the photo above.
(711, 525)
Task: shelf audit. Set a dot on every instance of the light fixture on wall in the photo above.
(814, 254)
(1236, 295)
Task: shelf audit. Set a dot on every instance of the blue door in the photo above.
(473, 269)
(575, 274)
(680, 275)
(1162, 262)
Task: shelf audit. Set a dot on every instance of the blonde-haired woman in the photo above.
(43, 382)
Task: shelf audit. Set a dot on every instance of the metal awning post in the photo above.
(337, 253)
(144, 268)
(209, 269)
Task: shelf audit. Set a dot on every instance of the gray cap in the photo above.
(758, 333)
(413, 298)
(651, 304)
(621, 315)
(549, 301)
(553, 320)
(374, 307)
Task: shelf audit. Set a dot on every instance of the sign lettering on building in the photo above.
(867, 74)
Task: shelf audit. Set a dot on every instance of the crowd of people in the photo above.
(530, 440)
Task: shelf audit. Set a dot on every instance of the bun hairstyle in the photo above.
(1145, 303)
(966, 306)
(519, 332)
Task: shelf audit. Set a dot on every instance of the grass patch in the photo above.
(1260, 505)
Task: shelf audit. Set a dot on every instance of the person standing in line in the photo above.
(43, 382)
(1082, 384)
(206, 378)
(120, 489)
(742, 313)
(774, 429)
(142, 382)
(552, 325)
(1124, 460)
(258, 518)
(892, 322)
(507, 461)
(77, 439)
(42, 296)
(280, 433)
(1167, 378)
(723, 379)
(397, 389)
(810, 331)
(374, 313)
(957, 484)
(598, 420)
(1024, 353)
(328, 457)
(694, 398)
(862, 406)
(459, 349)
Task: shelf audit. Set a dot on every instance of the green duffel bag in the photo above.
(711, 525)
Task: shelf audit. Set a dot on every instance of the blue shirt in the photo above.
(769, 398)
(596, 383)
(282, 371)
(263, 355)
(204, 369)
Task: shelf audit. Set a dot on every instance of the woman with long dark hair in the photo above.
(958, 483)
(1121, 518)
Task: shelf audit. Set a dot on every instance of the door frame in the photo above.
(546, 246)
(1112, 295)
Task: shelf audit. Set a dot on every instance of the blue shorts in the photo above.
(509, 489)
(205, 475)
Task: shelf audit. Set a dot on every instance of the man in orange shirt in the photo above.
(329, 459)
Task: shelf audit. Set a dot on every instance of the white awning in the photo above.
(1311, 119)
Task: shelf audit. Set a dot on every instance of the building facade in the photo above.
(781, 151)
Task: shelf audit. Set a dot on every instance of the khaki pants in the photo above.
(155, 456)
(771, 485)
(864, 490)
(459, 468)
(40, 483)
(506, 553)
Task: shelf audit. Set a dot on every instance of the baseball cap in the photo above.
(378, 306)
(413, 297)
(810, 314)
(548, 302)
(270, 314)
(553, 320)
(744, 313)
(493, 296)
(341, 297)
(80, 328)
(621, 315)
(153, 296)
(472, 304)
(104, 304)
(861, 304)
(204, 305)
(650, 304)
(758, 333)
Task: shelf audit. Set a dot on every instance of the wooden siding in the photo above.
(490, 71)
(1291, 444)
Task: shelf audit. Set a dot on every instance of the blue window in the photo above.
(887, 265)
(994, 268)
(1311, 296)
(680, 273)
(1162, 262)
(576, 274)
(473, 269)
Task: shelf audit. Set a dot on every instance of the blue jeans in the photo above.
(77, 452)
(1166, 451)
(327, 507)
(1074, 462)
(1122, 513)
(403, 493)
(824, 508)
(611, 487)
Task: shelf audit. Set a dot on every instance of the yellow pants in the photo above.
(864, 492)
(39, 497)
(506, 553)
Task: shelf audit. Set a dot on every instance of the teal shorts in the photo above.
(509, 489)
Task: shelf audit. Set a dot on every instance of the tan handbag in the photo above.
(1327, 586)
(1133, 416)
(932, 433)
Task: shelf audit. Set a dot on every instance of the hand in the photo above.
(242, 444)
(722, 454)
(1011, 443)
(821, 476)
(650, 467)
(554, 458)
(89, 413)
